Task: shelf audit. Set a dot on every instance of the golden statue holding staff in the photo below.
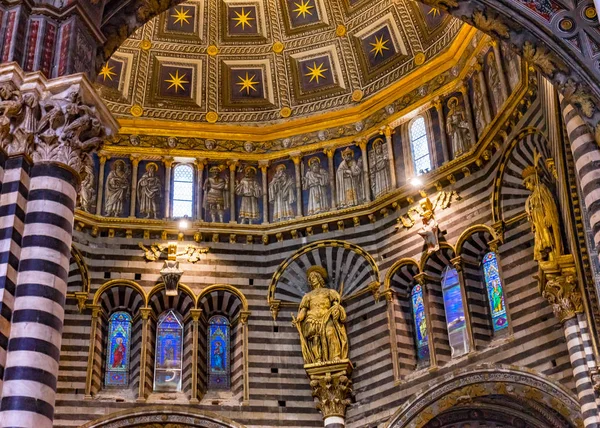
(320, 321)
(542, 214)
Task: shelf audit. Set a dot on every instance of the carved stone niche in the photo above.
(558, 284)
(331, 386)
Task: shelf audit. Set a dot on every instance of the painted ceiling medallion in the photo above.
(278, 47)
(212, 117)
(136, 110)
(419, 58)
(212, 50)
(285, 112)
(145, 44)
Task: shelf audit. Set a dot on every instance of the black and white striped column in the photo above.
(31, 372)
(581, 374)
(13, 198)
(586, 155)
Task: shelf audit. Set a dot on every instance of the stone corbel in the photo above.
(558, 284)
(81, 297)
(331, 386)
(274, 308)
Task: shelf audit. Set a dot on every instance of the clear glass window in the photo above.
(419, 146)
(183, 191)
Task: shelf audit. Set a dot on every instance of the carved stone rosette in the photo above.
(331, 386)
(558, 284)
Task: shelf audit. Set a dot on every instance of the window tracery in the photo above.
(183, 191)
(169, 351)
(419, 146)
(219, 373)
(117, 359)
(455, 313)
(493, 284)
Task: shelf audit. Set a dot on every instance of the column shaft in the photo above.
(232, 168)
(388, 139)
(469, 111)
(298, 178)
(265, 192)
(439, 108)
(501, 73)
(195, 317)
(199, 185)
(365, 163)
(168, 166)
(145, 313)
(96, 313)
(487, 109)
(331, 168)
(134, 175)
(31, 373)
(100, 200)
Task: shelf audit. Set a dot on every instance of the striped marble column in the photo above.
(586, 155)
(581, 375)
(13, 198)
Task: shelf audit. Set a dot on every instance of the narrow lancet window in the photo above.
(169, 351)
(117, 359)
(455, 313)
(421, 334)
(493, 284)
(183, 191)
(219, 374)
(419, 146)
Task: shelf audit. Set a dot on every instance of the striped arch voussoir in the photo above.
(226, 288)
(468, 235)
(118, 283)
(406, 263)
(443, 255)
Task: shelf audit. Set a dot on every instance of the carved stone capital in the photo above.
(145, 313)
(558, 284)
(244, 315)
(457, 262)
(96, 310)
(274, 308)
(195, 313)
(331, 386)
(81, 297)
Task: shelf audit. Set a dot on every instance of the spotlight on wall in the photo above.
(184, 224)
(416, 182)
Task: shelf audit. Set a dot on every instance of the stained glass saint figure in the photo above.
(119, 338)
(219, 374)
(493, 284)
(455, 313)
(421, 334)
(169, 350)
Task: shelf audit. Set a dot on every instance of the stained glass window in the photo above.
(422, 337)
(419, 146)
(183, 191)
(119, 338)
(455, 312)
(169, 350)
(493, 284)
(219, 374)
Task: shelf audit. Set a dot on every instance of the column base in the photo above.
(334, 422)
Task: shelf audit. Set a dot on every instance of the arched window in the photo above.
(421, 334)
(169, 351)
(219, 374)
(455, 312)
(493, 283)
(117, 358)
(183, 191)
(419, 146)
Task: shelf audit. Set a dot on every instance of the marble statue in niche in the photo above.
(320, 321)
(478, 105)
(118, 187)
(494, 81)
(149, 191)
(282, 194)
(457, 128)
(512, 61)
(542, 213)
(350, 182)
(315, 181)
(216, 194)
(87, 194)
(250, 190)
(379, 163)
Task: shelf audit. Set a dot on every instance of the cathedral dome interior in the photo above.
(300, 213)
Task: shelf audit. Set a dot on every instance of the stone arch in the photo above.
(225, 299)
(350, 269)
(163, 416)
(79, 275)
(484, 381)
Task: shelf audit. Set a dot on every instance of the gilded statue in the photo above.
(542, 213)
(320, 321)
(149, 190)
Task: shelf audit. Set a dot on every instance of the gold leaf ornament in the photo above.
(490, 24)
(540, 57)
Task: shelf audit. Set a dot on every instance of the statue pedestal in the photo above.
(558, 284)
(331, 385)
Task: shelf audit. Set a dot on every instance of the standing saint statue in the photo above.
(478, 105)
(320, 321)
(216, 194)
(315, 181)
(379, 168)
(349, 183)
(494, 81)
(118, 186)
(542, 213)
(457, 128)
(87, 194)
(149, 190)
(249, 189)
(282, 194)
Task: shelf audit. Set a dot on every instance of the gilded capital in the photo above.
(195, 313)
(296, 157)
(329, 151)
(362, 143)
(457, 262)
(96, 311)
(388, 131)
(332, 391)
(244, 317)
(145, 313)
(168, 161)
(200, 163)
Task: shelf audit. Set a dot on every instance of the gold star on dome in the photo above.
(433, 11)
(247, 83)
(181, 16)
(243, 19)
(176, 81)
(303, 8)
(316, 72)
(107, 72)
(379, 46)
